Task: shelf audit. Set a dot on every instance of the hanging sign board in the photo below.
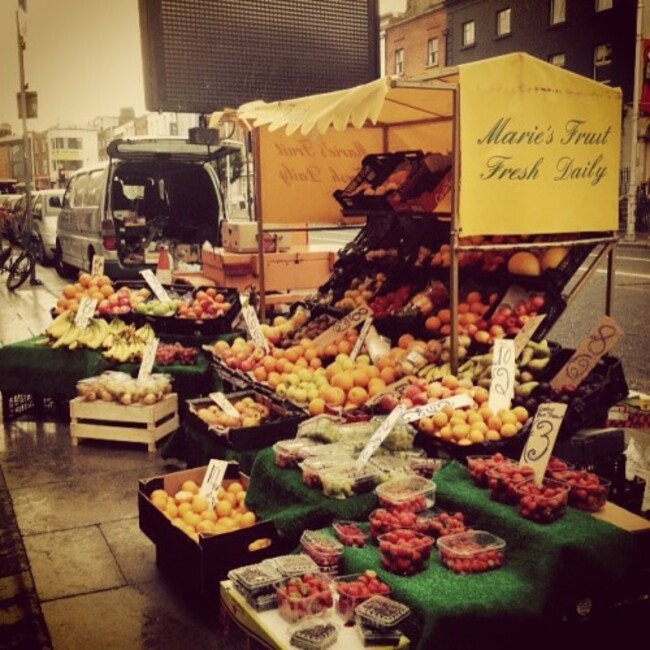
(418, 412)
(542, 155)
(367, 324)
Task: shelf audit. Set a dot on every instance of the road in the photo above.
(631, 307)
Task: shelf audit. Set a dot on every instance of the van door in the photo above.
(64, 223)
(77, 219)
(90, 220)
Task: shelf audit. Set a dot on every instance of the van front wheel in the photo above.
(64, 270)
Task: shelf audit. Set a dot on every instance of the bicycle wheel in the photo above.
(20, 270)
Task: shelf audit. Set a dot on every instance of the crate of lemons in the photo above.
(193, 513)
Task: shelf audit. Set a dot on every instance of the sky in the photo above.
(82, 57)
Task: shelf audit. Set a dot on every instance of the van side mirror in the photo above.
(54, 202)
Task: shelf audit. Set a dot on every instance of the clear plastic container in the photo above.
(426, 467)
(381, 613)
(405, 551)
(412, 493)
(371, 636)
(312, 467)
(353, 589)
(389, 467)
(288, 453)
(347, 480)
(349, 533)
(479, 466)
(313, 634)
(256, 578)
(474, 551)
(542, 503)
(324, 549)
(588, 491)
(504, 478)
(294, 565)
(383, 520)
(303, 596)
(556, 464)
(436, 523)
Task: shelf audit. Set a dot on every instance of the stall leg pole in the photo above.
(260, 232)
(611, 280)
(453, 257)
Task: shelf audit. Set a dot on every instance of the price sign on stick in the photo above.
(222, 402)
(148, 359)
(502, 385)
(419, 412)
(526, 333)
(155, 286)
(98, 265)
(600, 340)
(380, 435)
(213, 479)
(543, 433)
(254, 329)
(365, 328)
(85, 312)
(344, 325)
(377, 346)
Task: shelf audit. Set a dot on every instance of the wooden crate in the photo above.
(137, 423)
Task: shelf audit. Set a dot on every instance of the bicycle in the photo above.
(22, 267)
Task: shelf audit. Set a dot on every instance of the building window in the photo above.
(399, 61)
(603, 63)
(58, 143)
(558, 12)
(432, 52)
(558, 59)
(74, 143)
(603, 5)
(469, 35)
(503, 22)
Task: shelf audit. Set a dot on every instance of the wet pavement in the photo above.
(94, 571)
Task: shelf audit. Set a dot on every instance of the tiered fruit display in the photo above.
(122, 388)
(191, 512)
(206, 303)
(361, 291)
(250, 414)
(87, 286)
(126, 343)
(62, 332)
(169, 354)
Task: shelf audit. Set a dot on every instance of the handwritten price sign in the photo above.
(377, 346)
(155, 286)
(85, 312)
(98, 265)
(543, 434)
(222, 402)
(365, 328)
(600, 340)
(419, 412)
(344, 325)
(213, 479)
(502, 385)
(380, 435)
(148, 359)
(526, 333)
(254, 329)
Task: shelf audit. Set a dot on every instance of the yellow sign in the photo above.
(299, 173)
(540, 149)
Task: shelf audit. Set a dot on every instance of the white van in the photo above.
(150, 192)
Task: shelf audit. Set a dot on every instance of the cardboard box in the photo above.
(303, 267)
(199, 567)
(241, 237)
(135, 423)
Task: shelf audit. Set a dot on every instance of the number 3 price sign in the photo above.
(543, 433)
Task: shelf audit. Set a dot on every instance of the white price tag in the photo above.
(377, 346)
(526, 333)
(98, 265)
(155, 286)
(365, 328)
(85, 312)
(380, 435)
(213, 479)
(148, 359)
(419, 412)
(541, 440)
(502, 384)
(254, 329)
(222, 402)
(344, 325)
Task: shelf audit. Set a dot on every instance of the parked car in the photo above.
(151, 192)
(46, 205)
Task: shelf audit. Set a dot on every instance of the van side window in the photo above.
(77, 197)
(69, 191)
(93, 195)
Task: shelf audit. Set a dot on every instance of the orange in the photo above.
(360, 377)
(344, 346)
(388, 374)
(248, 519)
(192, 519)
(315, 363)
(375, 386)
(190, 486)
(333, 369)
(241, 498)
(228, 523)
(269, 364)
(223, 508)
(235, 487)
(84, 279)
(200, 504)
(210, 515)
(335, 396)
(160, 502)
(316, 406)
(205, 526)
(106, 290)
(260, 374)
(343, 379)
(432, 323)
(183, 508)
(357, 395)
(404, 340)
(330, 350)
(69, 291)
(473, 296)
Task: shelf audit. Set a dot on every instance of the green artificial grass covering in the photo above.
(547, 568)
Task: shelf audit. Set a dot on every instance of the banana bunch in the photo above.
(432, 372)
(63, 332)
(126, 343)
(532, 360)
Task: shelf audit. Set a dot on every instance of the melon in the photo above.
(553, 257)
(524, 263)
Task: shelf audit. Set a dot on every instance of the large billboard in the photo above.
(205, 55)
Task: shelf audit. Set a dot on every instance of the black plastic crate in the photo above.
(39, 407)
